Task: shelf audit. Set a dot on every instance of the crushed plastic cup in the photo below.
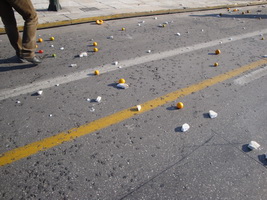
(138, 107)
(73, 65)
(122, 85)
(253, 145)
(185, 127)
(98, 99)
(213, 114)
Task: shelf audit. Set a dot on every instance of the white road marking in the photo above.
(29, 88)
(251, 76)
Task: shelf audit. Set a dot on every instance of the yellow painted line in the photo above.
(138, 14)
(42, 145)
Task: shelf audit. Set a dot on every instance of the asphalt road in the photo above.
(80, 149)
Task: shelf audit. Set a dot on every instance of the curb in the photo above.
(136, 14)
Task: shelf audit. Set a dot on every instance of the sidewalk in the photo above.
(79, 11)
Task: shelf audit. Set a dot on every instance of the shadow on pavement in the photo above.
(262, 159)
(245, 148)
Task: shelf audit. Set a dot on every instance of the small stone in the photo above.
(116, 63)
(18, 102)
(61, 48)
(111, 37)
(178, 34)
(123, 85)
(57, 85)
(213, 114)
(148, 51)
(88, 99)
(50, 115)
(185, 127)
(51, 45)
(253, 145)
(73, 65)
(155, 18)
(92, 109)
(40, 92)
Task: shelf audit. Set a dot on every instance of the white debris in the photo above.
(230, 38)
(88, 99)
(116, 63)
(18, 102)
(265, 56)
(156, 18)
(138, 107)
(91, 39)
(220, 42)
(83, 54)
(40, 92)
(185, 127)
(253, 145)
(50, 115)
(57, 85)
(111, 37)
(202, 30)
(213, 114)
(61, 48)
(73, 65)
(244, 28)
(143, 22)
(166, 22)
(51, 45)
(98, 99)
(139, 24)
(92, 109)
(120, 67)
(178, 34)
(123, 85)
(160, 25)
(148, 51)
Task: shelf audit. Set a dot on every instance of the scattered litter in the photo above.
(41, 51)
(220, 42)
(51, 45)
(180, 105)
(185, 127)
(213, 114)
(18, 102)
(92, 109)
(253, 145)
(95, 49)
(61, 48)
(202, 30)
(143, 22)
(73, 65)
(52, 38)
(111, 37)
(120, 67)
(89, 100)
(139, 24)
(98, 99)
(166, 22)
(123, 85)
(138, 107)
(99, 21)
(116, 63)
(155, 18)
(122, 80)
(40, 92)
(148, 51)
(83, 54)
(160, 25)
(50, 115)
(178, 34)
(97, 72)
(57, 85)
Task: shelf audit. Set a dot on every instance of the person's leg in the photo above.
(9, 21)
(27, 11)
